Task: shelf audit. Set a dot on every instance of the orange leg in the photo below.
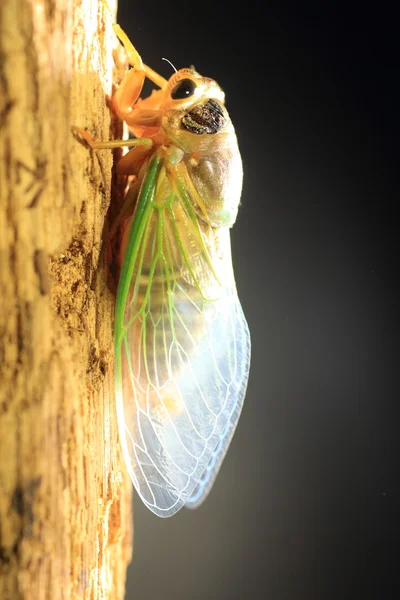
(130, 87)
(96, 145)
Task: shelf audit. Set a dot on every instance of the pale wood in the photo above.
(65, 517)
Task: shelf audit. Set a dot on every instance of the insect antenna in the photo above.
(168, 61)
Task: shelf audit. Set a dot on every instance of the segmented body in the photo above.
(182, 345)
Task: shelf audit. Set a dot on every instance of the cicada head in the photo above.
(193, 110)
(188, 114)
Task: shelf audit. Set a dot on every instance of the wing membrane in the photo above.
(182, 347)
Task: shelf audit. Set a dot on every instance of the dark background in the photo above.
(306, 503)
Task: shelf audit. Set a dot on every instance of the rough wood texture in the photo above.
(65, 514)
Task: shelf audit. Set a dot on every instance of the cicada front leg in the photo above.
(129, 89)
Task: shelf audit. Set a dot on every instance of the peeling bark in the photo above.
(65, 517)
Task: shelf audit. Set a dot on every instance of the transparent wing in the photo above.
(182, 348)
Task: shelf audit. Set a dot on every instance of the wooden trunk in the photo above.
(65, 516)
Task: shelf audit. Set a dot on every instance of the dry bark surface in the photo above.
(65, 516)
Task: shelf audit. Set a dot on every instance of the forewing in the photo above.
(182, 348)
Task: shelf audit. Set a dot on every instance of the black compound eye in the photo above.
(183, 89)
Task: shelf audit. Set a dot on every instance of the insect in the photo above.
(182, 344)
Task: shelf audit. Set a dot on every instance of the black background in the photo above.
(306, 505)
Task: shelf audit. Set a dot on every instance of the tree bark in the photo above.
(65, 517)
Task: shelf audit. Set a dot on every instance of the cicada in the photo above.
(182, 344)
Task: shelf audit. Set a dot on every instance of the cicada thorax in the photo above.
(216, 180)
(204, 133)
